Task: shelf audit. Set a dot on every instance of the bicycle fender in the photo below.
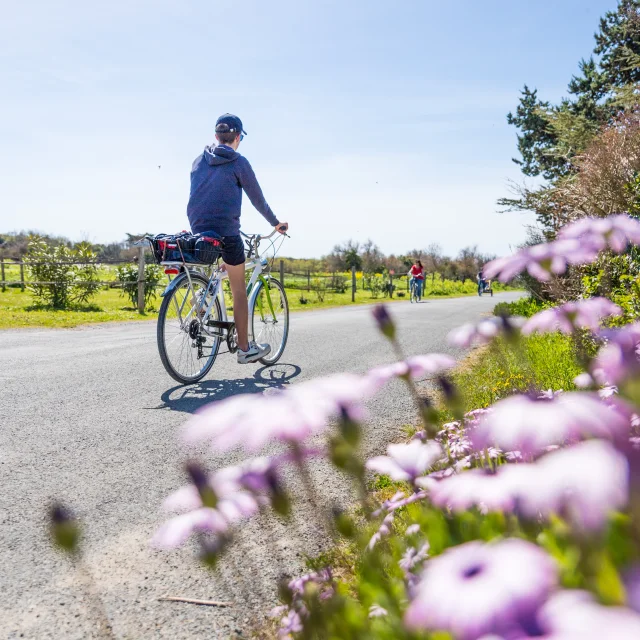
(173, 284)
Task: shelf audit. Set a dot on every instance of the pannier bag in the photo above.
(186, 247)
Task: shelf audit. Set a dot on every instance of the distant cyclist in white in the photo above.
(218, 177)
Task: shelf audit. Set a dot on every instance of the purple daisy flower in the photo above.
(575, 614)
(291, 416)
(584, 483)
(291, 623)
(472, 488)
(566, 318)
(406, 461)
(615, 232)
(177, 531)
(484, 331)
(583, 380)
(476, 589)
(383, 531)
(541, 261)
(631, 580)
(226, 502)
(619, 358)
(528, 425)
(415, 366)
(413, 557)
(297, 585)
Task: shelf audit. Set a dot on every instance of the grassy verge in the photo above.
(18, 310)
(493, 372)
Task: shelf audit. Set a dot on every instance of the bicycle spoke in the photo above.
(186, 350)
(270, 320)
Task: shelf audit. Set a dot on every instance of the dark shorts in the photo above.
(233, 252)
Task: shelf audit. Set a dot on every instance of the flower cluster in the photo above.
(298, 592)
(566, 318)
(484, 331)
(531, 424)
(584, 483)
(507, 582)
(578, 243)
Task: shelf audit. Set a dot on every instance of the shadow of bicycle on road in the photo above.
(190, 398)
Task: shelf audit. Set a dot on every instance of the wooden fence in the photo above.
(306, 281)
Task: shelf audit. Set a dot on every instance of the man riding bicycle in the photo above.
(218, 177)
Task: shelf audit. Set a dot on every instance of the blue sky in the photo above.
(366, 119)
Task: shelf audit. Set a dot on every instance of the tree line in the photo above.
(368, 257)
(365, 256)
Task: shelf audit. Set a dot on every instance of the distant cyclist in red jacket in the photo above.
(416, 273)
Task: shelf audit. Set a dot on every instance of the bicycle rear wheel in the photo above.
(187, 349)
(270, 322)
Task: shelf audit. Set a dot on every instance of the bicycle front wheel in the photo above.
(270, 318)
(187, 349)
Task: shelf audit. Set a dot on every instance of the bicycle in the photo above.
(415, 292)
(485, 286)
(192, 322)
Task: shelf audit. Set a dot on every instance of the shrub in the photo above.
(376, 284)
(319, 287)
(525, 307)
(127, 275)
(338, 283)
(56, 282)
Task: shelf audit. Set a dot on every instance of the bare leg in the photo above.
(240, 304)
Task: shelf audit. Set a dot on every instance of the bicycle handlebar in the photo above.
(273, 233)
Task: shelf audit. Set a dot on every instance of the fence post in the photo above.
(22, 276)
(4, 286)
(141, 279)
(308, 279)
(282, 272)
(353, 283)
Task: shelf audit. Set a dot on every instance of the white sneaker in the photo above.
(253, 353)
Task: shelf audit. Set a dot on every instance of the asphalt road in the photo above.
(89, 416)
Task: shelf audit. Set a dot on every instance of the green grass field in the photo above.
(19, 309)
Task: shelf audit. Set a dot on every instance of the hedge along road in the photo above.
(90, 417)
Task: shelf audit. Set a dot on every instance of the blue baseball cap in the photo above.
(228, 123)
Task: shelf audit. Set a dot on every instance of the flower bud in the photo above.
(429, 412)
(384, 321)
(65, 531)
(340, 451)
(452, 397)
(211, 550)
(284, 591)
(199, 478)
(510, 328)
(349, 428)
(344, 524)
(279, 499)
(344, 457)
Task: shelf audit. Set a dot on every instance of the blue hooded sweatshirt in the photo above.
(218, 177)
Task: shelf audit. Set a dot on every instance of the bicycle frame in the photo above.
(259, 273)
